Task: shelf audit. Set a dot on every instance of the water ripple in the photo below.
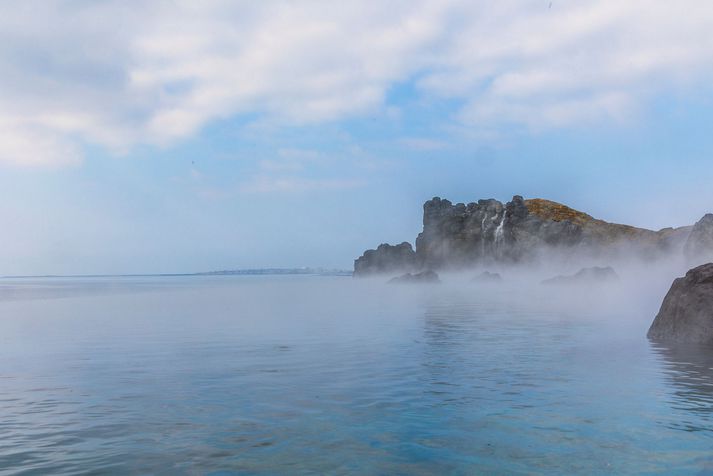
(228, 379)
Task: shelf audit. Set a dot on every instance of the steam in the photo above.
(633, 299)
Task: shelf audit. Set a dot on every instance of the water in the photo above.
(244, 375)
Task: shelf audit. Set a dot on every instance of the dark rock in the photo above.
(486, 232)
(699, 245)
(460, 235)
(594, 275)
(385, 259)
(686, 314)
(487, 277)
(423, 277)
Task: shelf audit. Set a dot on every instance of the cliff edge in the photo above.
(489, 231)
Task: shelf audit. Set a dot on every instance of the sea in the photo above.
(222, 375)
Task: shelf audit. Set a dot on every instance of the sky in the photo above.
(176, 136)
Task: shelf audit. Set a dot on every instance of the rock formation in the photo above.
(593, 275)
(386, 258)
(423, 277)
(699, 245)
(686, 315)
(488, 231)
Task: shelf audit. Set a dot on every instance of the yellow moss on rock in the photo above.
(549, 210)
(605, 231)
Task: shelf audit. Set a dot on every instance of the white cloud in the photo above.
(36, 146)
(119, 73)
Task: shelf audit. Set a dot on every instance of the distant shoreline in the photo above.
(233, 272)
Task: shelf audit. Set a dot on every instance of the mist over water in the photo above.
(333, 374)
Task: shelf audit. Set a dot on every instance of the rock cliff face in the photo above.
(686, 315)
(488, 231)
(386, 259)
(699, 244)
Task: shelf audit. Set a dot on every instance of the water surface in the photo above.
(300, 374)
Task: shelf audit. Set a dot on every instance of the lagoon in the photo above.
(317, 374)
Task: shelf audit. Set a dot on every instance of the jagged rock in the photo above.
(460, 235)
(699, 245)
(487, 277)
(486, 232)
(593, 275)
(547, 225)
(423, 277)
(686, 314)
(386, 258)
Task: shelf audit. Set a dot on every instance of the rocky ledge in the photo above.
(686, 315)
(488, 231)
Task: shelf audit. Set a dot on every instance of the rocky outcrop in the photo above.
(461, 235)
(489, 231)
(386, 259)
(424, 277)
(699, 245)
(686, 314)
(586, 276)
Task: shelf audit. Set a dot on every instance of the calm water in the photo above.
(333, 375)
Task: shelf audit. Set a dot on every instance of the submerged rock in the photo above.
(699, 245)
(593, 275)
(686, 314)
(427, 276)
(386, 258)
(487, 277)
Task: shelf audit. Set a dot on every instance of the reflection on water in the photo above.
(689, 371)
(331, 375)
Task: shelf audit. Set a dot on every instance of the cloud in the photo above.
(118, 74)
(36, 146)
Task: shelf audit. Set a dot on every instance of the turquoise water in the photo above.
(333, 375)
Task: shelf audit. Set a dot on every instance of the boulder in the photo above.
(686, 314)
(593, 275)
(386, 259)
(699, 245)
(423, 277)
